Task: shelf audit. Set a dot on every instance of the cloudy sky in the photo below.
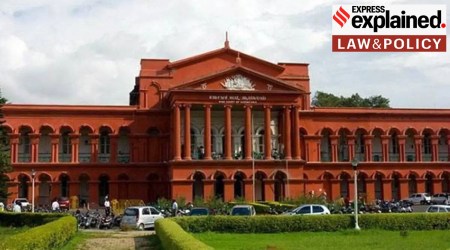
(88, 51)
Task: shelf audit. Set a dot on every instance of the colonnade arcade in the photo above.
(87, 187)
(377, 145)
(235, 132)
(385, 185)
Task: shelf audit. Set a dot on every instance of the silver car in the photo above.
(140, 217)
(420, 198)
(309, 209)
(440, 198)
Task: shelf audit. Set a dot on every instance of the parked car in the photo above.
(420, 198)
(440, 198)
(23, 202)
(246, 210)
(310, 209)
(140, 217)
(438, 209)
(64, 203)
(199, 211)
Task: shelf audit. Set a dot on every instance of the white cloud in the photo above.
(88, 52)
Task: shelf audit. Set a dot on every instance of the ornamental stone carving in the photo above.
(238, 82)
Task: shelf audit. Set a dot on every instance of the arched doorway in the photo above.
(446, 182)
(219, 187)
(64, 185)
(429, 183)
(239, 186)
(84, 189)
(103, 188)
(154, 187)
(412, 184)
(395, 187)
(327, 187)
(344, 185)
(362, 186)
(24, 181)
(379, 191)
(259, 186)
(45, 190)
(197, 186)
(280, 186)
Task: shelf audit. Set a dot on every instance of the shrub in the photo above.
(172, 236)
(26, 219)
(52, 235)
(316, 223)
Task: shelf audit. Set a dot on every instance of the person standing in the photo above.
(174, 208)
(107, 206)
(55, 205)
(17, 207)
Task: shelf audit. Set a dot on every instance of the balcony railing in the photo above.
(84, 157)
(426, 157)
(23, 157)
(410, 157)
(394, 157)
(44, 157)
(377, 156)
(360, 157)
(123, 158)
(65, 157)
(443, 156)
(103, 158)
(325, 157)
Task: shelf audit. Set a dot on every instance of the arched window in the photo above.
(104, 143)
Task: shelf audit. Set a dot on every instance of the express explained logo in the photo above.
(341, 16)
(389, 28)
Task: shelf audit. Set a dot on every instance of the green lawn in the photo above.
(364, 239)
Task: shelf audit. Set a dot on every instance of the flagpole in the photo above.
(253, 162)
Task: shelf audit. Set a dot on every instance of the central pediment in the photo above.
(237, 78)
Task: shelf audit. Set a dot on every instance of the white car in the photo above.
(420, 198)
(438, 209)
(23, 202)
(140, 217)
(310, 209)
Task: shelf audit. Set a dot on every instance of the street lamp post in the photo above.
(33, 174)
(355, 170)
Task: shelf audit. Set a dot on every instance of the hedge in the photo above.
(316, 223)
(27, 219)
(52, 235)
(173, 237)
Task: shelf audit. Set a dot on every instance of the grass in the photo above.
(77, 240)
(351, 239)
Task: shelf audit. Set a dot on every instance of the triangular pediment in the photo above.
(225, 53)
(237, 78)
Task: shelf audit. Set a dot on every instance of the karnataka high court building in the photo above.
(224, 124)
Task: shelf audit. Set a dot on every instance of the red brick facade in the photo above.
(221, 104)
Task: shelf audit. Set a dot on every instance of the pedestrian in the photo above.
(55, 205)
(174, 208)
(107, 206)
(17, 207)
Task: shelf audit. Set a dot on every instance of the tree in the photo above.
(5, 165)
(322, 99)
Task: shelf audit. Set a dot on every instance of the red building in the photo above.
(224, 124)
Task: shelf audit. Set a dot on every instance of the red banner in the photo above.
(389, 43)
